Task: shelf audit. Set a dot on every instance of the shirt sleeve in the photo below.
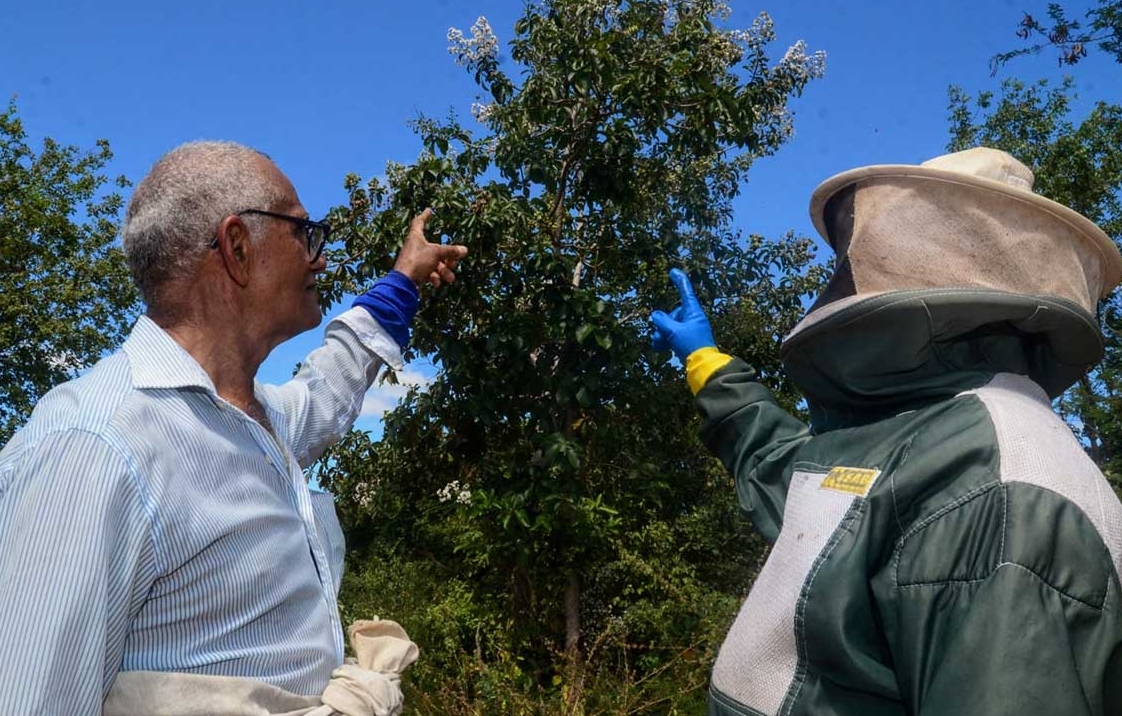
(330, 534)
(322, 401)
(77, 557)
(755, 439)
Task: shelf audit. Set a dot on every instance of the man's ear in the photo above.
(234, 248)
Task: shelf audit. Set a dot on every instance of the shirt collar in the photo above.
(157, 361)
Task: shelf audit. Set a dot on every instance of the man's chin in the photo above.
(315, 316)
(309, 320)
(313, 321)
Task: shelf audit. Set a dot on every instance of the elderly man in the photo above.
(153, 512)
(941, 543)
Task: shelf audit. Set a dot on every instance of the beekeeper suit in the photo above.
(942, 545)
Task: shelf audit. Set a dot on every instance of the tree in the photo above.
(67, 295)
(1070, 38)
(551, 473)
(1079, 166)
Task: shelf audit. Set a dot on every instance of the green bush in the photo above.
(653, 620)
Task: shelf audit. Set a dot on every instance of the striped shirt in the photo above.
(148, 524)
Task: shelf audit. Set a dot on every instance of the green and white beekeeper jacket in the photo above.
(960, 558)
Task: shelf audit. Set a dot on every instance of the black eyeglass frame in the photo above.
(311, 229)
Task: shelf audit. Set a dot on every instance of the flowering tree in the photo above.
(66, 296)
(550, 473)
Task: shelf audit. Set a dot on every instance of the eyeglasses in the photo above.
(315, 232)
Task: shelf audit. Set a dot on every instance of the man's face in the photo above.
(290, 300)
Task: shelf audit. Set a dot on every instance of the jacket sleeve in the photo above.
(1006, 603)
(755, 439)
(323, 399)
(1010, 645)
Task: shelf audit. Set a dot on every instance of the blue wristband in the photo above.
(392, 301)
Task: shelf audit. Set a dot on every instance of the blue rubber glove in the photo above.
(392, 301)
(686, 328)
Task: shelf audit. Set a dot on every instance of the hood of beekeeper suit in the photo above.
(946, 273)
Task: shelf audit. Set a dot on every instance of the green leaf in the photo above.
(583, 397)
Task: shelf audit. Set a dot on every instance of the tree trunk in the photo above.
(572, 614)
(575, 666)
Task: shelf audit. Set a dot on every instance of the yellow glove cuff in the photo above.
(702, 364)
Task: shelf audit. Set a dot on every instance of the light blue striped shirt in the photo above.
(147, 524)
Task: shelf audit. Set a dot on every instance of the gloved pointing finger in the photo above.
(681, 282)
(687, 328)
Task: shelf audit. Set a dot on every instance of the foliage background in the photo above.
(67, 297)
(573, 548)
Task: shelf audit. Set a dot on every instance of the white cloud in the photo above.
(382, 397)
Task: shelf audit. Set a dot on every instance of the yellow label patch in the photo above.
(853, 480)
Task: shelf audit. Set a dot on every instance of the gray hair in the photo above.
(175, 210)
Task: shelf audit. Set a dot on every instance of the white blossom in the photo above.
(454, 491)
(482, 111)
(801, 67)
(364, 494)
(762, 29)
(740, 36)
(483, 43)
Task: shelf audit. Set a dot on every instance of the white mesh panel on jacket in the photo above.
(1037, 448)
(759, 657)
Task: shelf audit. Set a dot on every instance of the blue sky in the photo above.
(327, 88)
